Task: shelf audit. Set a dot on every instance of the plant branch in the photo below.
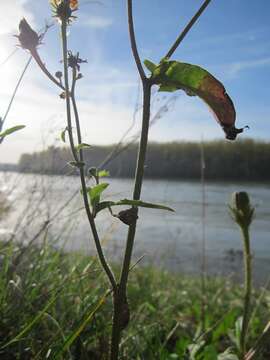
(90, 217)
(187, 28)
(133, 41)
(121, 307)
(38, 60)
(16, 89)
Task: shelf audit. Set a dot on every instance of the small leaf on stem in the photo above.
(11, 130)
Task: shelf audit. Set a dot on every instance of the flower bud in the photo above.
(59, 74)
(241, 208)
(240, 201)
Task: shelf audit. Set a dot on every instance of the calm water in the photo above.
(170, 240)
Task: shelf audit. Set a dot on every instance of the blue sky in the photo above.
(231, 40)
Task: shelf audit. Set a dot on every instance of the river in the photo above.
(172, 241)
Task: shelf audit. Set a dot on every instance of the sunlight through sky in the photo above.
(231, 40)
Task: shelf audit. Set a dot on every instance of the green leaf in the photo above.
(226, 324)
(78, 330)
(94, 194)
(31, 324)
(63, 135)
(194, 80)
(103, 173)
(138, 203)
(150, 65)
(11, 130)
(82, 146)
(238, 330)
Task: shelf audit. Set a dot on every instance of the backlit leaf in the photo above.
(129, 202)
(63, 135)
(194, 80)
(103, 173)
(94, 194)
(82, 146)
(11, 130)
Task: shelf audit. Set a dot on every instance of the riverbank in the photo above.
(174, 160)
(54, 305)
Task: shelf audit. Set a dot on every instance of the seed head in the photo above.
(28, 38)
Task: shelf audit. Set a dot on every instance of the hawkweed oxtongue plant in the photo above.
(242, 213)
(169, 76)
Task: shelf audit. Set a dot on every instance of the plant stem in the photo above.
(121, 309)
(133, 41)
(38, 60)
(247, 296)
(120, 298)
(187, 28)
(71, 95)
(66, 88)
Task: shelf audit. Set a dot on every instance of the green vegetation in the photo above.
(48, 299)
(68, 306)
(177, 160)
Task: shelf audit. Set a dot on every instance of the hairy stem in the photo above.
(71, 96)
(248, 287)
(187, 28)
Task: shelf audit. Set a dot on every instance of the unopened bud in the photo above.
(59, 74)
(241, 208)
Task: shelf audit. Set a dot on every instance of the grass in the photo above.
(55, 306)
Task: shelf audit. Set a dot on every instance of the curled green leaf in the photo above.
(63, 135)
(194, 80)
(11, 130)
(94, 195)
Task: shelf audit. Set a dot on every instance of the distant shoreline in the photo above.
(244, 160)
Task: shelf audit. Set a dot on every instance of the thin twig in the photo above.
(101, 256)
(133, 41)
(187, 28)
(14, 94)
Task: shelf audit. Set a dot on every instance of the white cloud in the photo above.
(233, 69)
(11, 13)
(95, 21)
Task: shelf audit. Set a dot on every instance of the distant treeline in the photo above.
(240, 160)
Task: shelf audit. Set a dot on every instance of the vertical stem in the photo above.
(68, 110)
(247, 295)
(203, 264)
(120, 298)
(90, 217)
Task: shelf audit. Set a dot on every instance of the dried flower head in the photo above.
(28, 38)
(74, 61)
(63, 9)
